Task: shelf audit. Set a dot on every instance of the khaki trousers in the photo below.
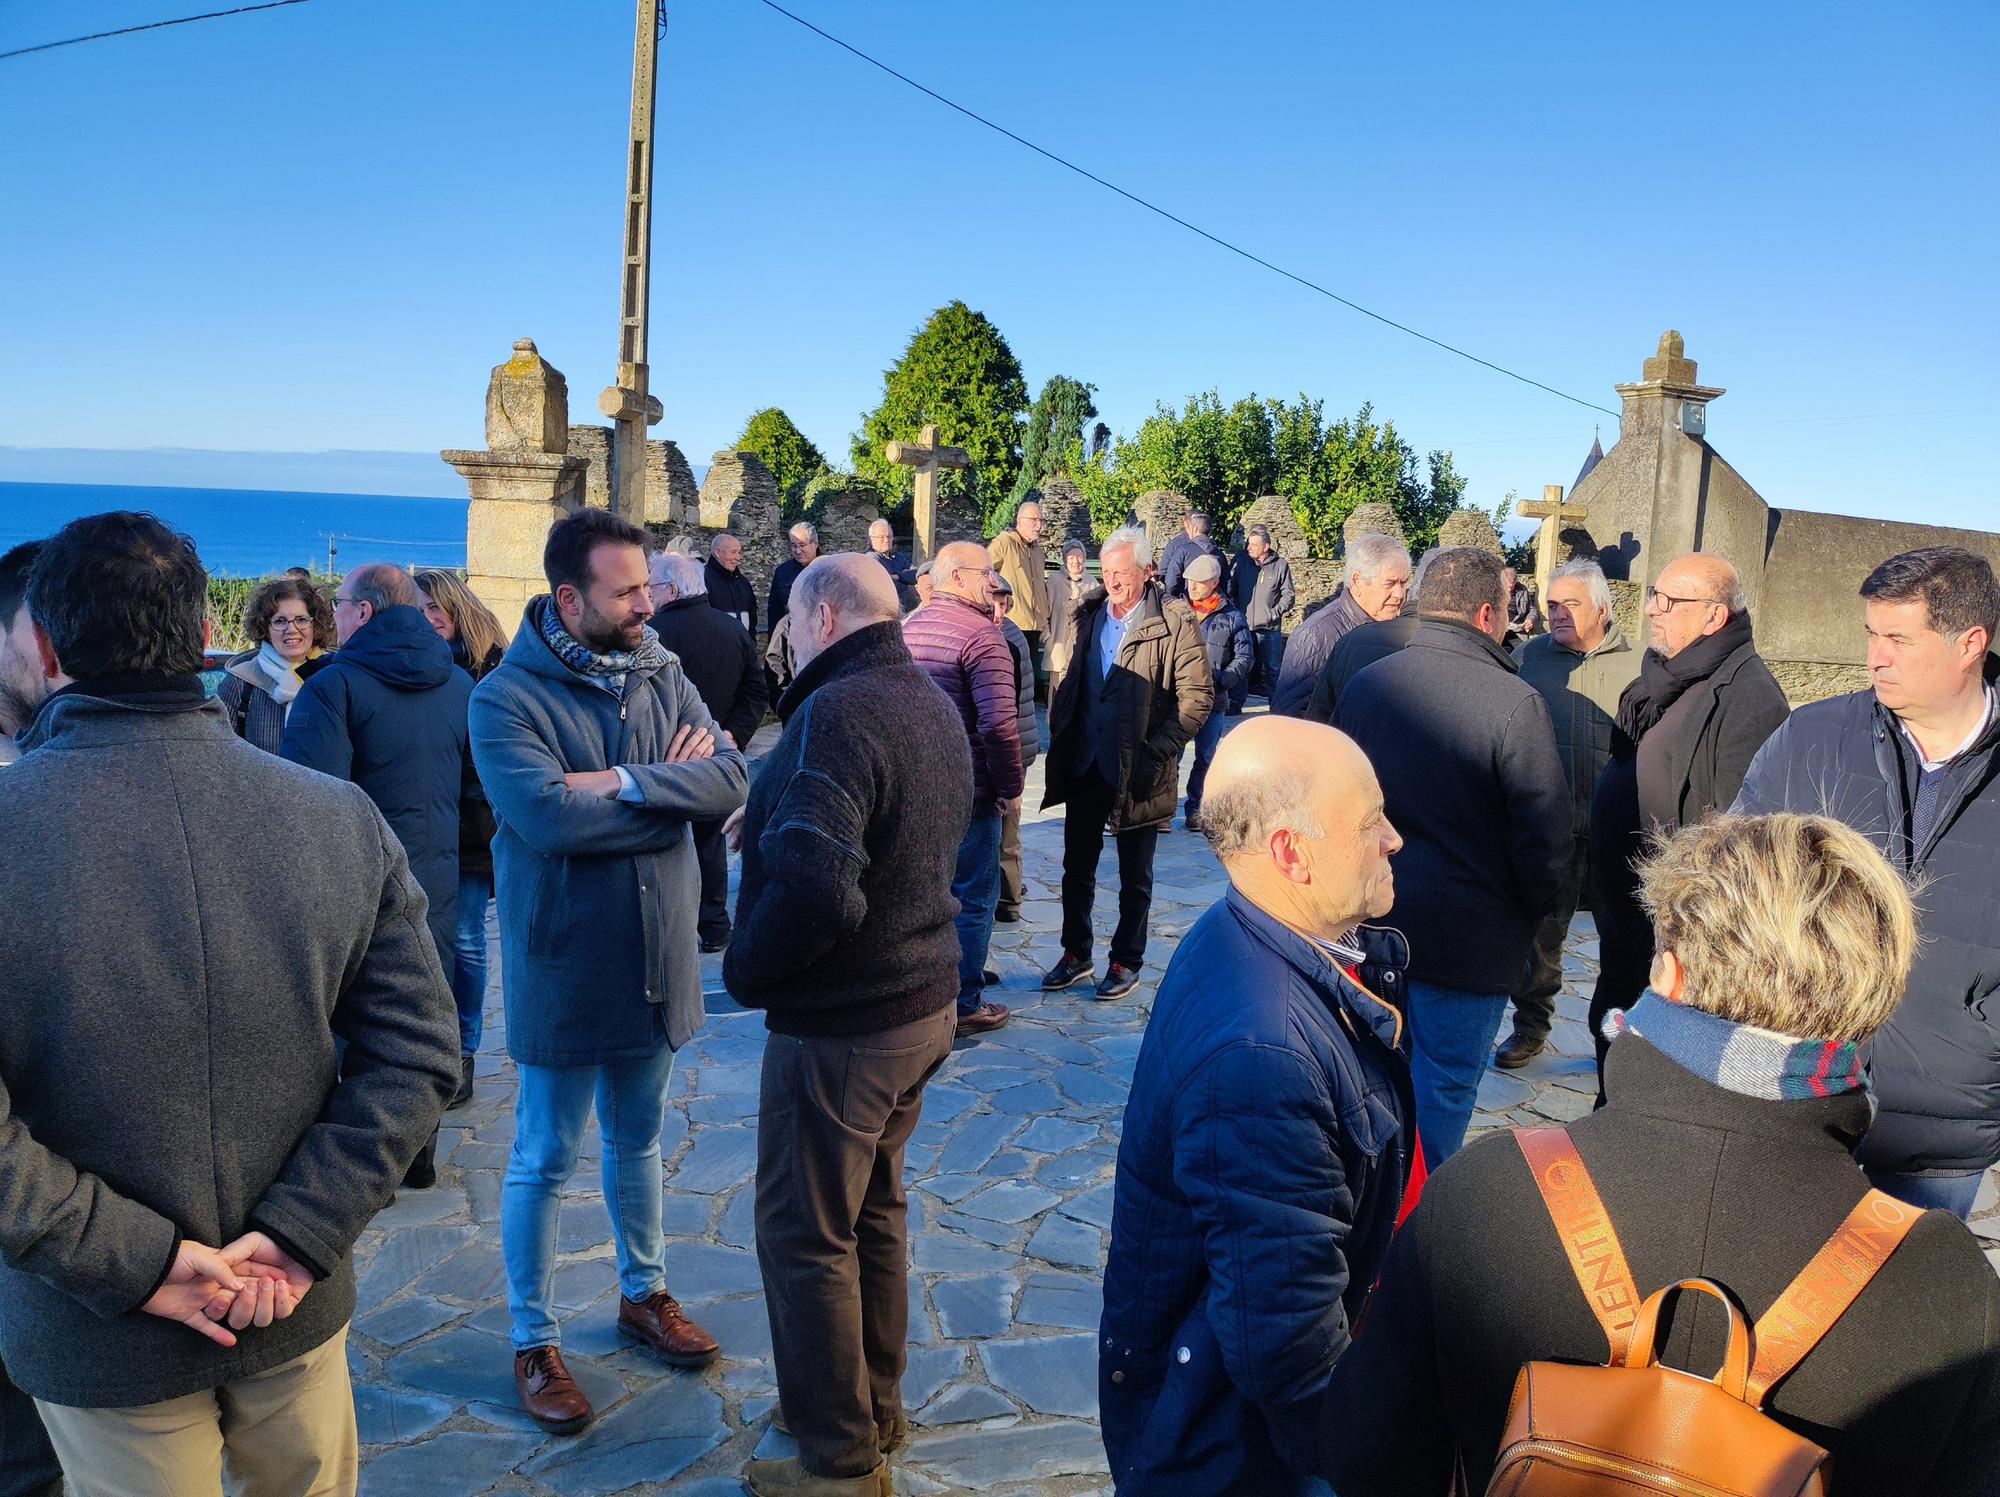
(288, 1432)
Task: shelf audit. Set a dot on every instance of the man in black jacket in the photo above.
(719, 658)
(1723, 1152)
(802, 540)
(170, 995)
(1686, 731)
(729, 591)
(845, 938)
(1914, 765)
(1468, 766)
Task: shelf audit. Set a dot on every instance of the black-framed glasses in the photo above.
(1654, 598)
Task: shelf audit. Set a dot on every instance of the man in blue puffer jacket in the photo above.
(1268, 1142)
(1913, 764)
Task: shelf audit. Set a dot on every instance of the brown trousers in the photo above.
(288, 1432)
(833, 1232)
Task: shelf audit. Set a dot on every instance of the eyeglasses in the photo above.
(1659, 602)
(291, 626)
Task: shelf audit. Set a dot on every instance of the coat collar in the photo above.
(867, 649)
(1461, 639)
(1615, 642)
(1639, 1078)
(1386, 950)
(85, 714)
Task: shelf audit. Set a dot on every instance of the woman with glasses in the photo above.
(292, 627)
(477, 643)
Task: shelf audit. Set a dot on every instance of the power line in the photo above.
(98, 36)
(1151, 207)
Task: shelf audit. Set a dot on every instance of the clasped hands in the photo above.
(690, 743)
(250, 1282)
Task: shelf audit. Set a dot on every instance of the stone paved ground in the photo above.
(1009, 1208)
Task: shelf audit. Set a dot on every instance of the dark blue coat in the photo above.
(1230, 654)
(388, 713)
(1183, 549)
(1264, 1157)
(1936, 1064)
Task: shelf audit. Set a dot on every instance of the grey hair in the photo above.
(1262, 532)
(1591, 575)
(1737, 599)
(1133, 537)
(1372, 552)
(852, 592)
(682, 573)
(1240, 817)
(715, 545)
(383, 586)
(878, 520)
(805, 530)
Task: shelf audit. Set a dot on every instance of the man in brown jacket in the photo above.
(1017, 556)
(1137, 689)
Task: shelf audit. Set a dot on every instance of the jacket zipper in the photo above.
(1571, 1456)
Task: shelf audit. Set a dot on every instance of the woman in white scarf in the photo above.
(293, 627)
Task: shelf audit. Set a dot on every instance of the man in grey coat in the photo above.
(597, 755)
(183, 1165)
(1378, 580)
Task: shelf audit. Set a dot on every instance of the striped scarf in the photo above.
(1742, 1058)
(607, 670)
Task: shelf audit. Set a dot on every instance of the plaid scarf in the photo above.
(1742, 1058)
(609, 671)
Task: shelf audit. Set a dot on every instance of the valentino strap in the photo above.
(1826, 1286)
(1595, 1254)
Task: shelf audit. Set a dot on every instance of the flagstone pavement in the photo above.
(1010, 1206)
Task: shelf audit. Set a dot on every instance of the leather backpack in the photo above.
(1634, 1426)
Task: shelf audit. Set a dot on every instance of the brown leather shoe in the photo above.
(984, 1019)
(660, 1324)
(787, 1478)
(548, 1392)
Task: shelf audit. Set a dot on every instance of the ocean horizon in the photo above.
(255, 532)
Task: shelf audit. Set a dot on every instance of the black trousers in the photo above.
(711, 853)
(27, 1461)
(1625, 966)
(1034, 638)
(1535, 1004)
(1084, 815)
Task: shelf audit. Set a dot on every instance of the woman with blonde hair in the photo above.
(290, 628)
(477, 644)
(1737, 1089)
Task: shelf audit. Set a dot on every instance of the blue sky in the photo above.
(317, 228)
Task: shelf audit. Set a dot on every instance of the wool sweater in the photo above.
(844, 916)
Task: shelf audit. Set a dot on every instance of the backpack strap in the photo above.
(1595, 1254)
(1826, 1286)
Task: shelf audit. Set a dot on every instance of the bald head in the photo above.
(961, 571)
(833, 597)
(366, 591)
(1695, 596)
(1294, 811)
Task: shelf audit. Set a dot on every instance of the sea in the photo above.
(255, 532)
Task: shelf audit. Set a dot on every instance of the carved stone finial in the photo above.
(1671, 364)
(527, 404)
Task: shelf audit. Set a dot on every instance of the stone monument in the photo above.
(1066, 513)
(928, 456)
(1470, 527)
(740, 495)
(1161, 511)
(521, 484)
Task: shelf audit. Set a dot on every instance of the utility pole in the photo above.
(631, 407)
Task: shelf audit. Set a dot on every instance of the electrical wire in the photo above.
(98, 36)
(1174, 218)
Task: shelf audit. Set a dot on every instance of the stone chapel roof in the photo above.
(1591, 460)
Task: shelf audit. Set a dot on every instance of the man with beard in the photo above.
(598, 756)
(1686, 732)
(22, 685)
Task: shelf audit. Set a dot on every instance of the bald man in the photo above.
(1687, 730)
(1267, 1146)
(845, 938)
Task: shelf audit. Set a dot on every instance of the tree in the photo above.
(1054, 426)
(786, 451)
(959, 373)
(1220, 457)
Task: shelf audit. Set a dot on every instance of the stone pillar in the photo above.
(521, 484)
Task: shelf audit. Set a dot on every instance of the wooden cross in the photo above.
(1553, 514)
(926, 456)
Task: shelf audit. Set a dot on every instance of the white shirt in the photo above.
(1931, 766)
(1112, 635)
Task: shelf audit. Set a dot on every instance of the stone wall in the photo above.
(1314, 581)
(1067, 514)
(1469, 527)
(671, 498)
(842, 517)
(739, 495)
(1161, 511)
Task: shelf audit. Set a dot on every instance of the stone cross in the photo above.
(1553, 513)
(926, 456)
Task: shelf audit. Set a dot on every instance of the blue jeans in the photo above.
(1205, 740)
(1953, 1193)
(975, 884)
(1451, 1042)
(551, 1109)
(468, 971)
